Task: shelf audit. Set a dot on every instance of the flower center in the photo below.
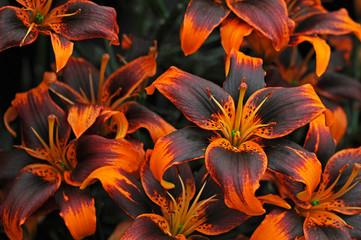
(54, 153)
(242, 127)
(183, 218)
(40, 15)
(326, 201)
(38, 18)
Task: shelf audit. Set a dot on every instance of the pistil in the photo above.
(183, 218)
(242, 90)
(239, 130)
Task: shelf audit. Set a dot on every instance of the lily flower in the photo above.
(235, 123)
(83, 83)
(196, 204)
(329, 210)
(313, 24)
(57, 164)
(333, 87)
(269, 17)
(64, 21)
(268, 26)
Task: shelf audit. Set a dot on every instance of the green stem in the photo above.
(113, 64)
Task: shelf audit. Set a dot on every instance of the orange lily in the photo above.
(333, 87)
(328, 210)
(269, 17)
(196, 204)
(55, 166)
(83, 83)
(235, 124)
(313, 24)
(65, 22)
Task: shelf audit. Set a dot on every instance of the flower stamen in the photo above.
(322, 201)
(54, 153)
(105, 59)
(183, 217)
(224, 120)
(27, 33)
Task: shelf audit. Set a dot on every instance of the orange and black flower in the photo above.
(235, 124)
(268, 26)
(83, 83)
(50, 166)
(313, 24)
(329, 210)
(196, 204)
(64, 21)
(269, 17)
(334, 88)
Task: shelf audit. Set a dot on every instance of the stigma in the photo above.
(246, 123)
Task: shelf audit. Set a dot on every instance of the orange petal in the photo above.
(303, 105)
(322, 225)
(78, 211)
(15, 28)
(126, 41)
(63, 49)
(89, 21)
(192, 95)
(338, 129)
(274, 200)
(125, 190)
(26, 3)
(33, 186)
(333, 23)
(201, 17)
(243, 66)
(269, 17)
(238, 171)
(319, 139)
(93, 152)
(10, 115)
(122, 83)
(280, 225)
(120, 229)
(232, 32)
(152, 226)
(180, 146)
(81, 117)
(302, 166)
(322, 49)
(139, 116)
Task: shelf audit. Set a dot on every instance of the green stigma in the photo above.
(38, 18)
(180, 227)
(315, 203)
(63, 165)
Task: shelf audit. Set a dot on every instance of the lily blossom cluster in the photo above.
(124, 145)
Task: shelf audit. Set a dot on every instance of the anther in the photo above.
(209, 93)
